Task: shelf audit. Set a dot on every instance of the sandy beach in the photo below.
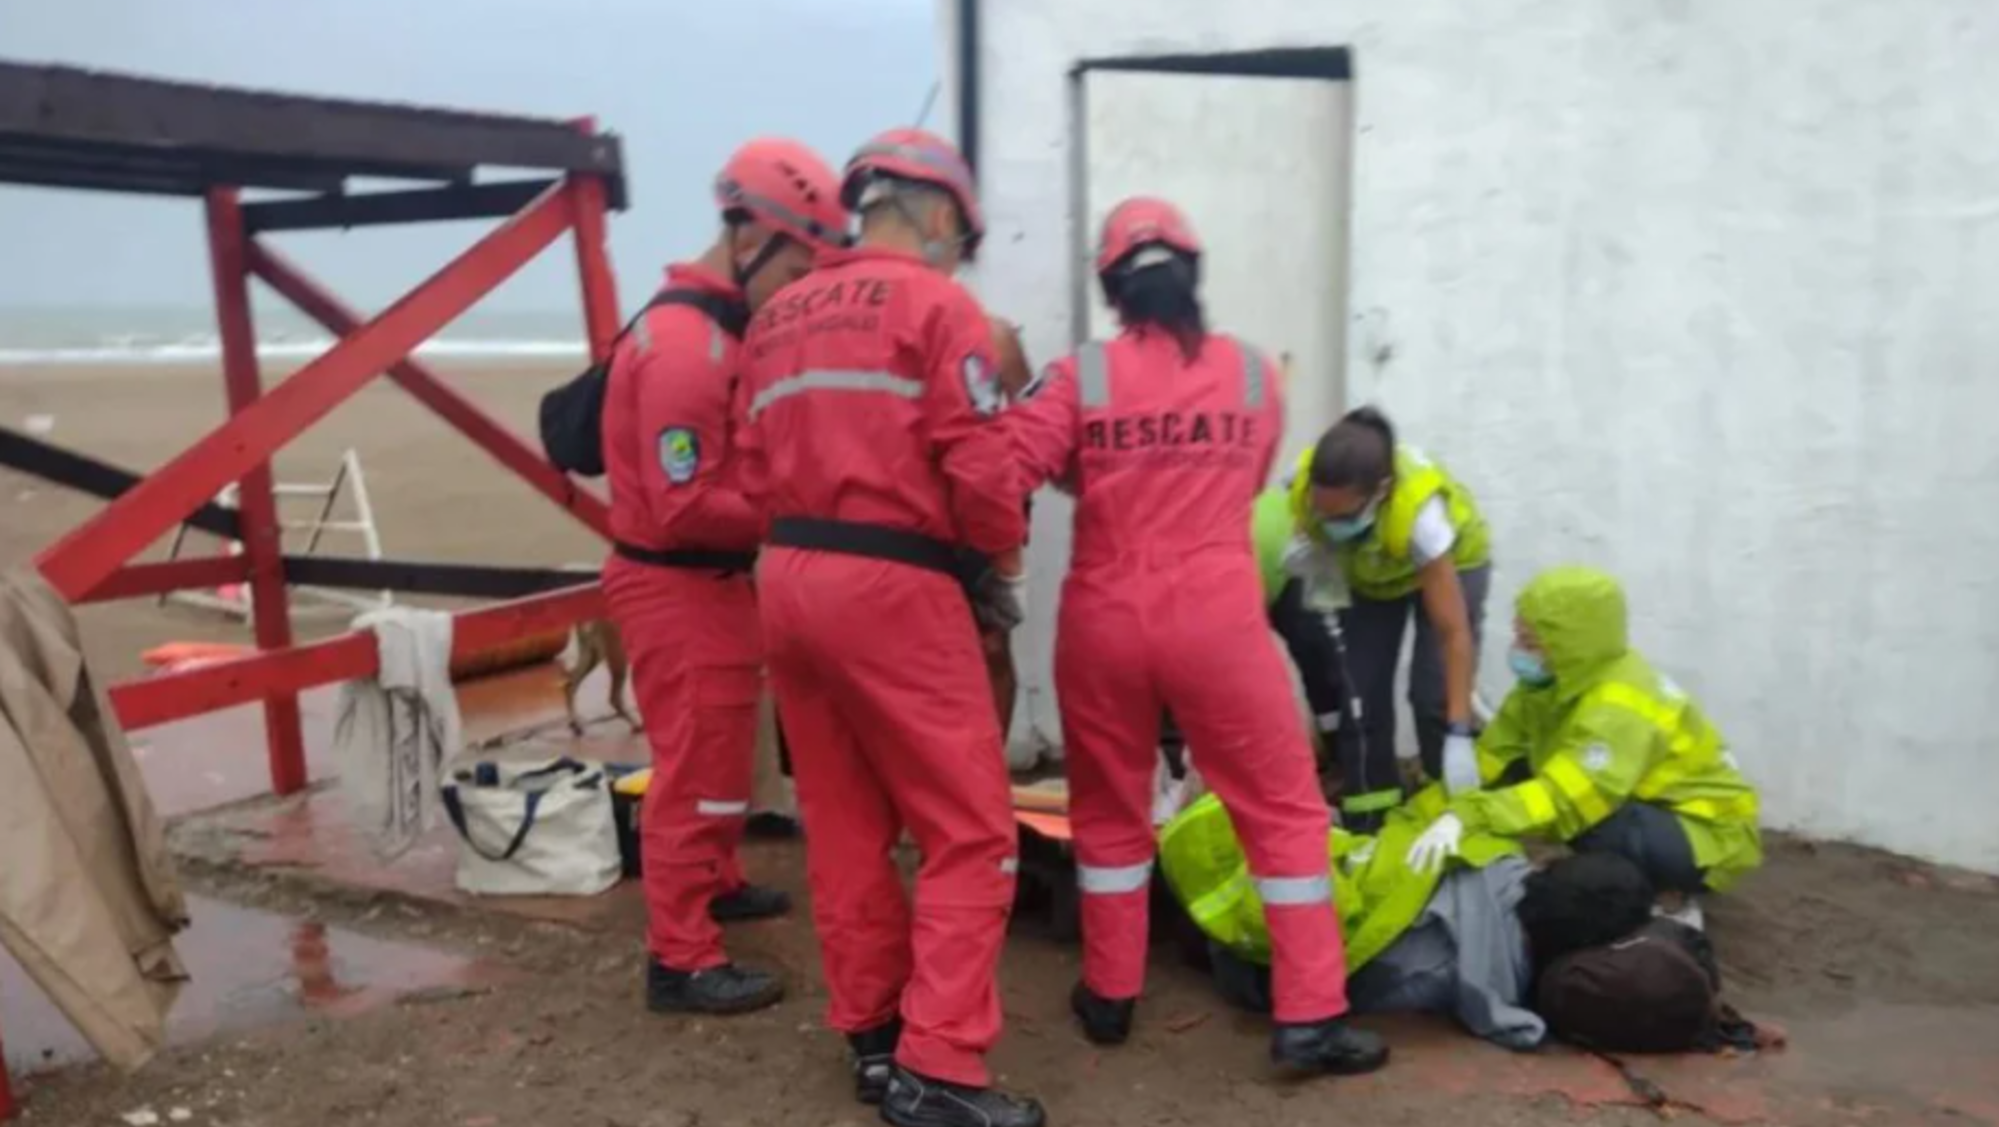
(436, 496)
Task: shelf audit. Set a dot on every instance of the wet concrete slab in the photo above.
(248, 969)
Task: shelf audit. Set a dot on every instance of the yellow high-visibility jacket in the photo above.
(1608, 730)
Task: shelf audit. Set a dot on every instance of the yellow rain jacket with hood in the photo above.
(1377, 894)
(1609, 729)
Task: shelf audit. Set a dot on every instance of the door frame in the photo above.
(1325, 64)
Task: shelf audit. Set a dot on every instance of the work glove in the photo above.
(1460, 764)
(996, 599)
(1437, 844)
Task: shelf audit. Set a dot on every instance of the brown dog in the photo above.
(598, 643)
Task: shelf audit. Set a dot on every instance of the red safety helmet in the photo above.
(1140, 222)
(785, 186)
(913, 154)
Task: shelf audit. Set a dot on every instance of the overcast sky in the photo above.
(682, 80)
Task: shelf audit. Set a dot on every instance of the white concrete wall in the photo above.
(1701, 291)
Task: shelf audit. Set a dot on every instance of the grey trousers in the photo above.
(1373, 631)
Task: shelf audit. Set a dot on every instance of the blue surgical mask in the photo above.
(1530, 667)
(1346, 530)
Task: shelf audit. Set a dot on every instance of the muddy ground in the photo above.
(1823, 934)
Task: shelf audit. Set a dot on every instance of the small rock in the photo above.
(144, 1117)
(179, 1114)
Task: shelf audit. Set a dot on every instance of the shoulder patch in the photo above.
(1596, 758)
(679, 454)
(981, 384)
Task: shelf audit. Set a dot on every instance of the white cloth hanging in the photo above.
(396, 732)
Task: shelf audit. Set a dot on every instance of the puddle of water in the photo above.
(249, 969)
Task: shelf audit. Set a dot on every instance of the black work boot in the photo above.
(1330, 1047)
(727, 989)
(918, 1101)
(874, 1059)
(1105, 1021)
(750, 902)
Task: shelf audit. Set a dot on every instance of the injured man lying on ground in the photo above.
(1514, 955)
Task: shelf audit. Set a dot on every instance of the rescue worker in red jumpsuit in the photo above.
(1165, 435)
(873, 447)
(679, 580)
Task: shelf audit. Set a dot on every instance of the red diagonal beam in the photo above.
(593, 265)
(93, 551)
(180, 575)
(173, 696)
(320, 305)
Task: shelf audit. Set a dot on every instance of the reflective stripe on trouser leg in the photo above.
(1261, 767)
(899, 663)
(1111, 730)
(1116, 913)
(1293, 892)
(1093, 880)
(730, 877)
(702, 731)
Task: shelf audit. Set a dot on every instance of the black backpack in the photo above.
(572, 416)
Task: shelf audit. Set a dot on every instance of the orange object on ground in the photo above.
(179, 654)
(1055, 827)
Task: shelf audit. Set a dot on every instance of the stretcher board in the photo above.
(1043, 809)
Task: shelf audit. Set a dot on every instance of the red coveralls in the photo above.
(692, 632)
(1163, 607)
(870, 384)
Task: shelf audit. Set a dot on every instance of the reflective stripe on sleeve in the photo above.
(821, 379)
(1094, 880)
(1253, 377)
(1539, 803)
(716, 809)
(1289, 892)
(1578, 789)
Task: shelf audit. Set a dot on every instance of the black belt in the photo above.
(696, 558)
(875, 541)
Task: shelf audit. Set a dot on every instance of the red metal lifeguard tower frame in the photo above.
(66, 128)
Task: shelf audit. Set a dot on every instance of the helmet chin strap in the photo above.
(745, 271)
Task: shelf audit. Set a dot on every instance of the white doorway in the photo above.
(1256, 147)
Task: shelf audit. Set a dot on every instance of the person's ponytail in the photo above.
(1162, 293)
